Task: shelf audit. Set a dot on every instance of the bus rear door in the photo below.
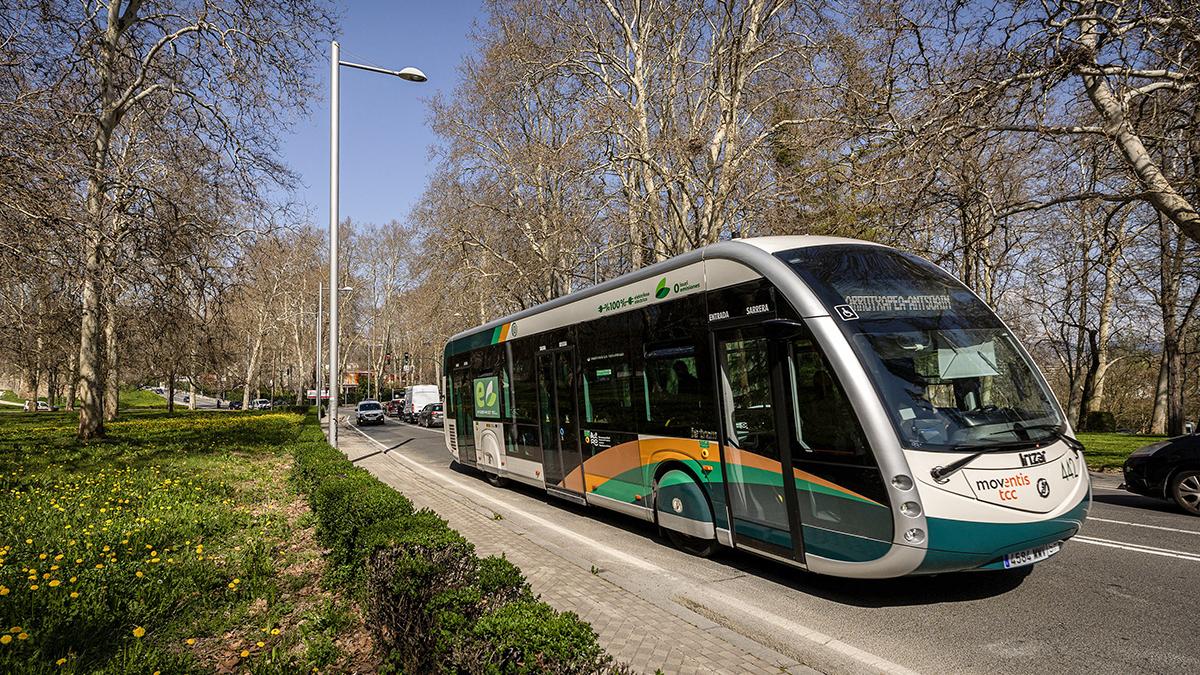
(562, 458)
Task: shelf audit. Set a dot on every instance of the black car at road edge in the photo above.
(1168, 470)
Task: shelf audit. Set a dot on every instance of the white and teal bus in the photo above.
(835, 404)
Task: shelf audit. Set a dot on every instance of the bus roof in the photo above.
(754, 252)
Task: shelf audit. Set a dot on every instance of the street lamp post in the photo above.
(335, 63)
(320, 316)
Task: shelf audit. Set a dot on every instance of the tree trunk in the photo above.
(1159, 191)
(112, 377)
(1174, 359)
(1158, 416)
(171, 392)
(251, 369)
(91, 416)
(72, 380)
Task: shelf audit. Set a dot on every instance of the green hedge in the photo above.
(434, 605)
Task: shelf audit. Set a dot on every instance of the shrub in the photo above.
(350, 505)
(423, 596)
(433, 606)
(531, 637)
(501, 582)
(1099, 421)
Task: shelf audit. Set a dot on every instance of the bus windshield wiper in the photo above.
(940, 473)
(1056, 430)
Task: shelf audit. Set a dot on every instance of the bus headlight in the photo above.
(910, 509)
(902, 482)
(915, 535)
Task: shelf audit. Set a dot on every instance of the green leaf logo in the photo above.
(490, 394)
(662, 290)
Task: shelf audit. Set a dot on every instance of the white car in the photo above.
(260, 404)
(369, 412)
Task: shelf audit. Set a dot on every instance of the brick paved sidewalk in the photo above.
(643, 634)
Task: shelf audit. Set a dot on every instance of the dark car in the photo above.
(431, 416)
(1168, 470)
(369, 412)
(235, 405)
(394, 406)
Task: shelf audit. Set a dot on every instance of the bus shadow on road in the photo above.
(903, 591)
(898, 592)
(1132, 500)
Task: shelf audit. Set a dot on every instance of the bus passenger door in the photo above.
(464, 415)
(763, 505)
(562, 458)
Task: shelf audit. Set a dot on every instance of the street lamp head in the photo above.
(412, 75)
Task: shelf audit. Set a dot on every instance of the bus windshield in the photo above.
(951, 376)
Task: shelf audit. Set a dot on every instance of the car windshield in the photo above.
(950, 374)
(437, 407)
(369, 406)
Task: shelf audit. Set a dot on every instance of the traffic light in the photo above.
(407, 358)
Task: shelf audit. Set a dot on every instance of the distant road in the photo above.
(1120, 597)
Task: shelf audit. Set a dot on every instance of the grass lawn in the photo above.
(176, 545)
(140, 398)
(1108, 451)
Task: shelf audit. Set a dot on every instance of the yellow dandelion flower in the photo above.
(139, 574)
(41, 556)
(138, 631)
(15, 629)
(190, 641)
(78, 561)
(28, 541)
(54, 583)
(274, 631)
(73, 579)
(58, 557)
(22, 636)
(99, 566)
(4, 590)
(260, 643)
(33, 587)
(5, 639)
(60, 662)
(245, 653)
(74, 595)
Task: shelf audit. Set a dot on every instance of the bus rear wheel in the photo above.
(701, 548)
(683, 511)
(495, 479)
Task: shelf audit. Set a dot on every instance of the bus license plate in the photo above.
(1030, 556)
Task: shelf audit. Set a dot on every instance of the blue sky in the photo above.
(385, 134)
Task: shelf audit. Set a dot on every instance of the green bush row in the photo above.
(433, 604)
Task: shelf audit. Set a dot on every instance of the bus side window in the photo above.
(826, 422)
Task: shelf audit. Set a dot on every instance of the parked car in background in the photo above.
(431, 416)
(1168, 470)
(369, 412)
(260, 404)
(235, 405)
(42, 406)
(416, 398)
(394, 407)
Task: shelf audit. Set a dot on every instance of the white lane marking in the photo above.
(1151, 527)
(807, 633)
(1168, 553)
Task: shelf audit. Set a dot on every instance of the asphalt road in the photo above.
(1121, 597)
